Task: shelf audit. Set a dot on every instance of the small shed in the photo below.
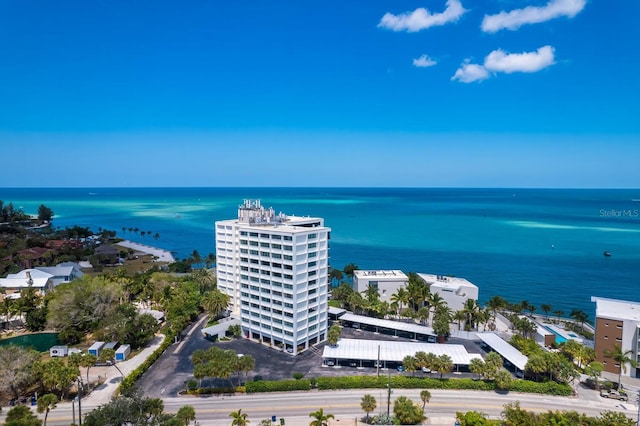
(96, 348)
(123, 352)
(59, 351)
(111, 345)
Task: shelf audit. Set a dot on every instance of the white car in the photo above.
(426, 370)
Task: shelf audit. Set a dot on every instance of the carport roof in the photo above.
(367, 350)
(507, 351)
(393, 325)
(336, 311)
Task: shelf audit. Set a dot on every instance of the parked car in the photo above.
(613, 394)
(426, 370)
(400, 368)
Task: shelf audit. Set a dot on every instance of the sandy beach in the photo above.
(160, 254)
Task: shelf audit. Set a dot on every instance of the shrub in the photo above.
(278, 386)
(298, 376)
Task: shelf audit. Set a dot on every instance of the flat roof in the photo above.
(617, 309)
(445, 281)
(367, 350)
(336, 311)
(393, 325)
(503, 347)
(388, 274)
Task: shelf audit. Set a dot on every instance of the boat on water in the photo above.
(607, 254)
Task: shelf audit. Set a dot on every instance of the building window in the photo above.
(288, 238)
(276, 237)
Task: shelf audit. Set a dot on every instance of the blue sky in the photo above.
(435, 93)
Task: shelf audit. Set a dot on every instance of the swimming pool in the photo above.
(559, 338)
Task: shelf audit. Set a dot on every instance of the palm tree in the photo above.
(320, 418)
(239, 418)
(400, 297)
(186, 414)
(214, 302)
(368, 404)
(425, 396)
(580, 317)
(546, 308)
(47, 403)
(348, 270)
(621, 359)
(559, 313)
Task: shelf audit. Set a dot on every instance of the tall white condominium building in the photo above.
(274, 268)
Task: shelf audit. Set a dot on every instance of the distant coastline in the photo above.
(159, 254)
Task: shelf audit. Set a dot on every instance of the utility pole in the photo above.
(638, 403)
(388, 393)
(80, 404)
(378, 363)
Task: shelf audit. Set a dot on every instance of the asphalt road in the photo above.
(295, 407)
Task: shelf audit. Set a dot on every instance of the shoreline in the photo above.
(160, 254)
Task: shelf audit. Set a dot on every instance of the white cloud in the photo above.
(468, 73)
(531, 15)
(499, 61)
(421, 18)
(423, 62)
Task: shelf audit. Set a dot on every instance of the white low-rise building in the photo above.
(387, 282)
(28, 278)
(455, 291)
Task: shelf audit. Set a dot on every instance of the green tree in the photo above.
(621, 359)
(400, 298)
(503, 379)
(21, 415)
(441, 320)
(46, 403)
(186, 414)
(334, 334)
(407, 412)
(409, 363)
(368, 404)
(78, 307)
(16, 366)
(215, 302)
(45, 214)
(425, 396)
(444, 364)
(472, 418)
(493, 363)
(615, 418)
(349, 269)
(477, 366)
(546, 308)
(579, 316)
(594, 371)
(320, 418)
(335, 274)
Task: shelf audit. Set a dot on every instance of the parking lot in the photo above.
(173, 369)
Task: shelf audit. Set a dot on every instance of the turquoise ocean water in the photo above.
(545, 246)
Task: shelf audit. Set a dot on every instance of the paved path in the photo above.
(103, 393)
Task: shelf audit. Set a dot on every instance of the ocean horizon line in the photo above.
(448, 188)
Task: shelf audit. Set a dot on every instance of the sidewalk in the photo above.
(103, 393)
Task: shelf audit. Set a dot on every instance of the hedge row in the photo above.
(217, 391)
(142, 368)
(278, 386)
(403, 382)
